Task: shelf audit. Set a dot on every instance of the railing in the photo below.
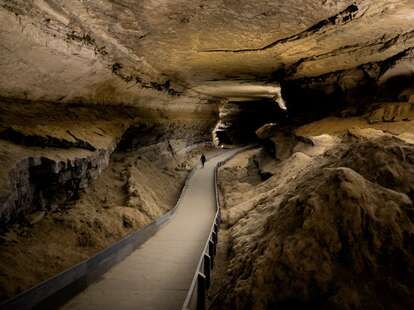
(55, 291)
(197, 294)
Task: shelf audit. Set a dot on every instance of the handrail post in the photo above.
(207, 269)
(215, 234)
(214, 237)
(211, 251)
(201, 291)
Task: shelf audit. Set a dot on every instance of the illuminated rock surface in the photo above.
(114, 94)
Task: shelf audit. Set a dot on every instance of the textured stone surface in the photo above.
(331, 229)
(131, 192)
(390, 112)
(129, 52)
(37, 179)
(51, 152)
(127, 74)
(267, 130)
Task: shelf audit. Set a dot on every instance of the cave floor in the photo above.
(159, 273)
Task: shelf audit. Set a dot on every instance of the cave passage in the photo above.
(239, 120)
(168, 260)
(106, 108)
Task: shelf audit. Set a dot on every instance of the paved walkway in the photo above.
(158, 274)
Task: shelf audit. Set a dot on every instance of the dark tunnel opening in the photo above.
(239, 120)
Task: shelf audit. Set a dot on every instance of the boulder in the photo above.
(266, 131)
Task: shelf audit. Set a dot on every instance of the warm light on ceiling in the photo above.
(242, 91)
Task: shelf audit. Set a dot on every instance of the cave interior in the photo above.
(106, 107)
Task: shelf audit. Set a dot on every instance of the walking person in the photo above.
(203, 159)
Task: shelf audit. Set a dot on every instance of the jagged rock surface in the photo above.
(135, 189)
(51, 152)
(77, 51)
(333, 230)
(163, 60)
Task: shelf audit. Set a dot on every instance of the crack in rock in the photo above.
(14, 135)
(342, 18)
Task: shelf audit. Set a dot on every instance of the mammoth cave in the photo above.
(206, 154)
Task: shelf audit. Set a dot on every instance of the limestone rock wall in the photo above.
(50, 153)
(59, 52)
(331, 228)
(354, 90)
(42, 183)
(390, 112)
(152, 52)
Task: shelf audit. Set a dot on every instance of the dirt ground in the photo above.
(329, 227)
(136, 188)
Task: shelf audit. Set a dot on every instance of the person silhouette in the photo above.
(203, 159)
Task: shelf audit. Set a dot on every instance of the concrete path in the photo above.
(158, 274)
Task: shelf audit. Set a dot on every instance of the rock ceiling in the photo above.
(121, 51)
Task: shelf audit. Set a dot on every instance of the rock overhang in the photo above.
(153, 51)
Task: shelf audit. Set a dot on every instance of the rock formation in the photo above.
(106, 93)
(78, 52)
(330, 229)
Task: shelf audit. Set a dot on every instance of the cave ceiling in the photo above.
(126, 50)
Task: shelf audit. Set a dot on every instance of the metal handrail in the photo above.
(66, 284)
(202, 276)
(60, 288)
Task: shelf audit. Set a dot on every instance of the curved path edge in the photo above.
(55, 291)
(158, 275)
(197, 293)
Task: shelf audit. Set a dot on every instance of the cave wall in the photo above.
(44, 183)
(51, 152)
(330, 57)
(124, 52)
(351, 92)
(60, 52)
